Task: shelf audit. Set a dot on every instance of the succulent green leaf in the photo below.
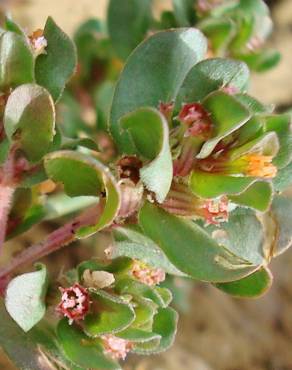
(261, 61)
(25, 296)
(219, 32)
(80, 174)
(253, 105)
(29, 118)
(128, 23)
(184, 12)
(252, 286)
(225, 121)
(16, 60)
(266, 144)
(281, 219)
(165, 324)
(209, 185)
(211, 75)
(258, 196)
(243, 235)
(84, 175)
(82, 350)
(133, 244)
(116, 315)
(137, 335)
(281, 124)
(139, 290)
(165, 295)
(154, 73)
(28, 351)
(146, 348)
(283, 180)
(56, 67)
(198, 255)
(145, 310)
(149, 133)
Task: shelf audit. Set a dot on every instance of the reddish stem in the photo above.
(6, 195)
(7, 188)
(56, 240)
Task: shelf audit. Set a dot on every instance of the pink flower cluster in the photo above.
(197, 119)
(216, 210)
(117, 348)
(75, 302)
(146, 274)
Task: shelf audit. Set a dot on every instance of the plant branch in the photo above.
(56, 240)
(6, 195)
(7, 188)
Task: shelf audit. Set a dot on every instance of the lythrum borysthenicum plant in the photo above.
(186, 178)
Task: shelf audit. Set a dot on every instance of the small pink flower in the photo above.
(117, 348)
(197, 120)
(216, 210)
(74, 303)
(146, 274)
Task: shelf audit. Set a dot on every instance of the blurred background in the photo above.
(217, 332)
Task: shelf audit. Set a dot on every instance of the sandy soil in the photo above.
(219, 333)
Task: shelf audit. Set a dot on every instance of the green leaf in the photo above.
(219, 32)
(80, 174)
(252, 286)
(116, 314)
(198, 255)
(283, 180)
(184, 12)
(243, 235)
(139, 290)
(128, 23)
(225, 121)
(266, 144)
(258, 196)
(29, 118)
(253, 105)
(165, 324)
(133, 244)
(281, 219)
(149, 133)
(211, 75)
(26, 350)
(154, 73)
(209, 185)
(137, 335)
(56, 67)
(281, 124)
(145, 310)
(16, 60)
(261, 61)
(25, 296)
(103, 95)
(84, 175)
(82, 350)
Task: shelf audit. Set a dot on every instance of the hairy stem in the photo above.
(7, 188)
(56, 240)
(6, 195)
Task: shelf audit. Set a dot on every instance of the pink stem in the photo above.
(6, 195)
(56, 240)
